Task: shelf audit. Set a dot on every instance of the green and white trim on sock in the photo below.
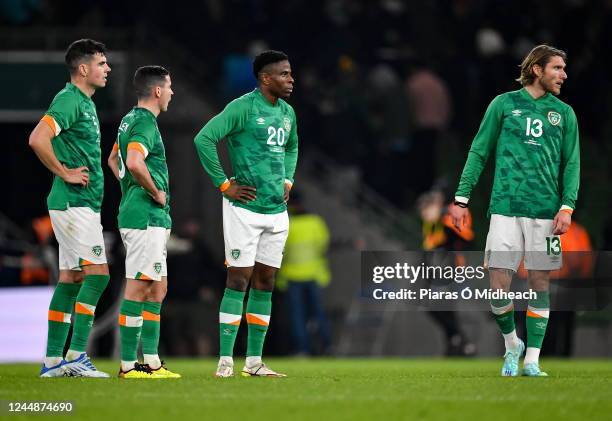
(258, 310)
(59, 319)
(503, 311)
(84, 309)
(151, 315)
(538, 311)
(230, 315)
(130, 326)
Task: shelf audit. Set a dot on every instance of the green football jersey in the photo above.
(76, 144)
(262, 143)
(537, 156)
(137, 208)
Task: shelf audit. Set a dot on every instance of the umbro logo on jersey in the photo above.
(516, 113)
(261, 120)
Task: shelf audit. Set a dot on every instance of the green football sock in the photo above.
(85, 308)
(60, 314)
(130, 325)
(150, 327)
(503, 311)
(258, 310)
(230, 314)
(538, 311)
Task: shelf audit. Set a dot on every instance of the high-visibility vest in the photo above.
(305, 258)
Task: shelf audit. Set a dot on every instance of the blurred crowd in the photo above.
(393, 88)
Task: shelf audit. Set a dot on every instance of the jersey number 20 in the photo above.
(276, 137)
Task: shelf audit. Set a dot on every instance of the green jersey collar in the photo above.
(75, 88)
(527, 95)
(261, 95)
(146, 111)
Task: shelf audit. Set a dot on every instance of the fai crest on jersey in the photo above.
(157, 267)
(287, 124)
(554, 118)
(97, 250)
(235, 254)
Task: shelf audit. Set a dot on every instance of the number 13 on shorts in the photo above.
(553, 245)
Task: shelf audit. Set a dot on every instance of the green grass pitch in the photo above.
(321, 389)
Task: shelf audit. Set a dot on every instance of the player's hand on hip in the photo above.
(78, 175)
(160, 198)
(240, 193)
(562, 222)
(458, 215)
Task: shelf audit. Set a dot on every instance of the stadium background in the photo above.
(370, 142)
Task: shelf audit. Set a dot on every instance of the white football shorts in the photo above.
(511, 238)
(145, 252)
(253, 237)
(79, 234)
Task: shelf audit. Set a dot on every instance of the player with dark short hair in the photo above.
(262, 140)
(67, 142)
(138, 161)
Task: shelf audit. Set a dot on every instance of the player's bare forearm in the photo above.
(141, 174)
(113, 163)
(40, 142)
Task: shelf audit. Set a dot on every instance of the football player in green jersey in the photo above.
(138, 161)
(67, 142)
(534, 136)
(262, 141)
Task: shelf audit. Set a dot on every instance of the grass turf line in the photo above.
(431, 389)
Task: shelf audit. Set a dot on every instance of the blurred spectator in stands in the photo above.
(430, 106)
(304, 272)
(439, 237)
(40, 265)
(238, 71)
(388, 149)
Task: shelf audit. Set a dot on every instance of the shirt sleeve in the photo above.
(231, 120)
(64, 110)
(141, 138)
(291, 151)
(570, 161)
(482, 145)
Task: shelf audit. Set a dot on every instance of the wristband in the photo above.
(461, 204)
(226, 184)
